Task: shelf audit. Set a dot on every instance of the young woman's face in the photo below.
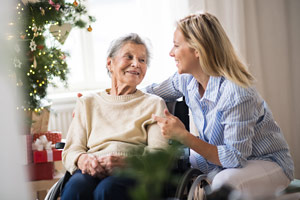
(185, 57)
(129, 66)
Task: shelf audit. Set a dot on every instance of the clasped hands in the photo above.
(99, 166)
(171, 127)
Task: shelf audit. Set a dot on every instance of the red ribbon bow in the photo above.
(56, 6)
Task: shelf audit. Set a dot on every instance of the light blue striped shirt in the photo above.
(235, 119)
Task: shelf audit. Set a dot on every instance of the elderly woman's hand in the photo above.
(89, 164)
(171, 127)
(111, 162)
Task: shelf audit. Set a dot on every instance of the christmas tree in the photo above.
(36, 62)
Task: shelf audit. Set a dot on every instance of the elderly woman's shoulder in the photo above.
(87, 97)
(153, 98)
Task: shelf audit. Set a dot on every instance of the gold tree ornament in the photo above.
(89, 28)
(61, 32)
(75, 3)
(42, 11)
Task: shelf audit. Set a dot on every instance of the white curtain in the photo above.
(266, 35)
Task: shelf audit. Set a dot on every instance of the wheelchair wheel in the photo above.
(200, 183)
(186, 182)
(56, 189)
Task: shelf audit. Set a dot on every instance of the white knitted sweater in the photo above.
(113, 125)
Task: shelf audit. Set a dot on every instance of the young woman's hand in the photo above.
(171, 127)
(89, 164)
(109, 163)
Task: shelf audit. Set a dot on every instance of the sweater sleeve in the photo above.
(155, 139)
(76, 141)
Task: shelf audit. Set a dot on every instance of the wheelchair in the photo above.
(190, 179)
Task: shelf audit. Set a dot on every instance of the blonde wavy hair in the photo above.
(217, 57)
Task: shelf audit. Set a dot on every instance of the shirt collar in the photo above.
(212, 88)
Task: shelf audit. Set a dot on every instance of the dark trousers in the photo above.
(84, 186)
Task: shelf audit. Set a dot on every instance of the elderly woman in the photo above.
(109, 125)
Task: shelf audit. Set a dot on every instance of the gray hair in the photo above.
(117, 44)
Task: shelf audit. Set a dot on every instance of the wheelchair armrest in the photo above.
(59, 145)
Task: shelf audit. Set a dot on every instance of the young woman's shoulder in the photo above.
(232, 94)
(235, 91)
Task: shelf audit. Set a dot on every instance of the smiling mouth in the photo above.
(133, 72)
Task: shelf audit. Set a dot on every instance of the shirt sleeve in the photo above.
(168, 89)
(238, 120)
(197, 161)
(76, 141)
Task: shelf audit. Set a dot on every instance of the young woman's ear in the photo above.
(196, 53)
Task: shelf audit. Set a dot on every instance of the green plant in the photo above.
(152, 171)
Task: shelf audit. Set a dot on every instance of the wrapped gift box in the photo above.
(39, 120)
(27, 144)
(40, 171)
(53, 136)
(47, 156)
(29, 148)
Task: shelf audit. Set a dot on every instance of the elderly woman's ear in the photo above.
(108, 64)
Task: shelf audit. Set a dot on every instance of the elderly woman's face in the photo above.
(129, 66)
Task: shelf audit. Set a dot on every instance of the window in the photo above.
(151, 19)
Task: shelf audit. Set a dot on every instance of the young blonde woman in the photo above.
(238, 136)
